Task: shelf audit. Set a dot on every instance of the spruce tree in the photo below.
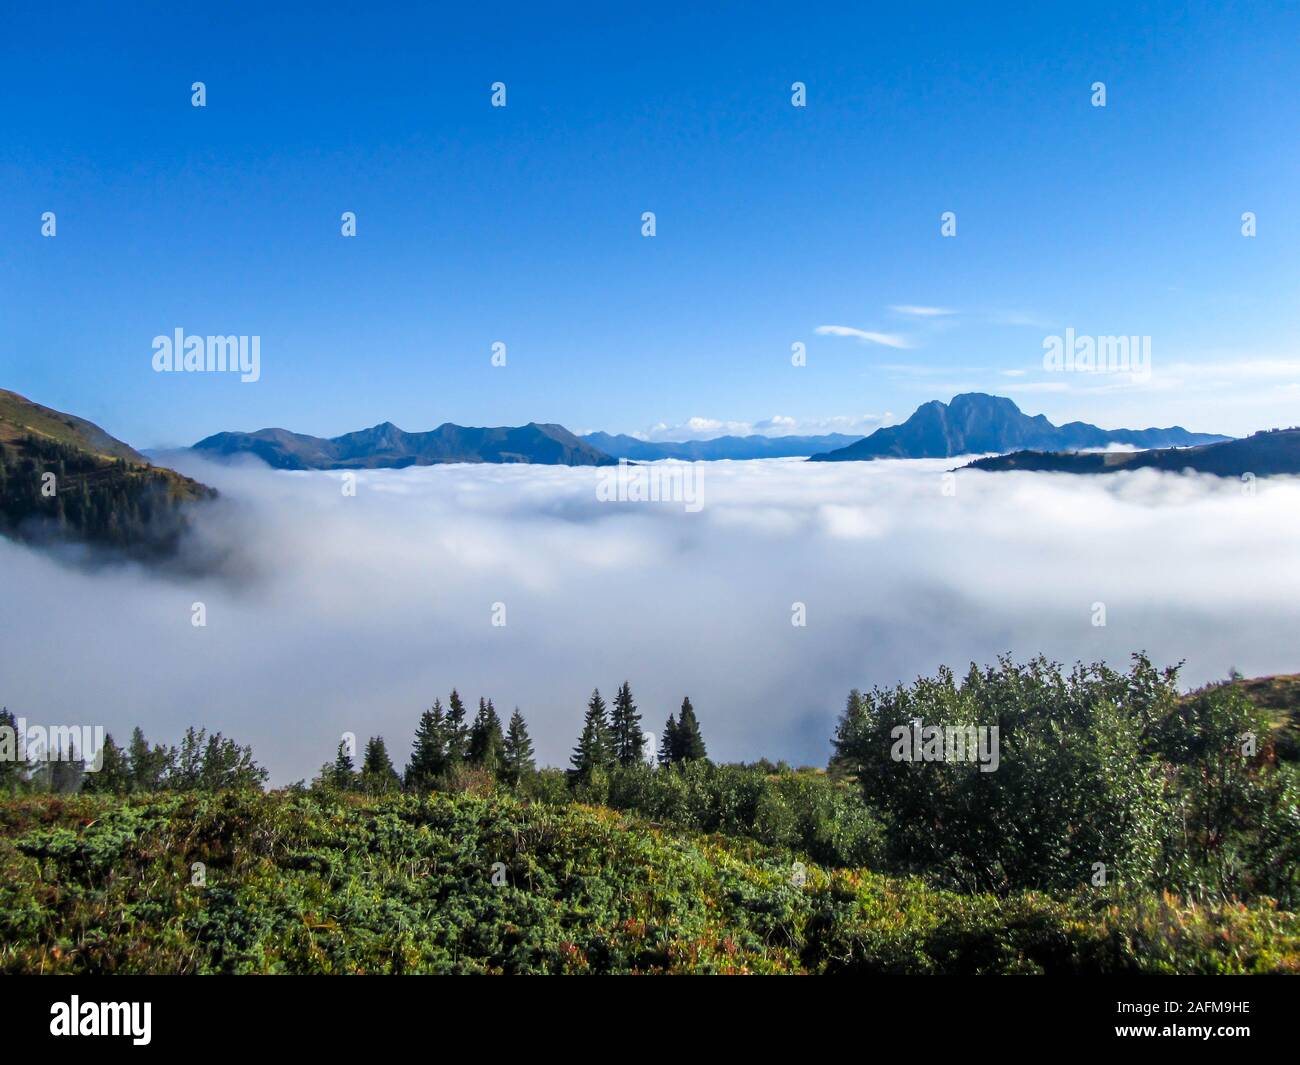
(149, 765)
(11, 770)
(485, 739)
(848, 733)
(625, 728)
(668, 742)
(377, 772)
(517, 755)
(457, 730)
(111, 774)
(429, 751)
(592, 751)
(342, 774)
(690, 744)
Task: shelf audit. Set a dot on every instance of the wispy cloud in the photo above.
(889, 340)
(699, 428)
(914, 310)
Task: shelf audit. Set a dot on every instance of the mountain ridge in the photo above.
(974, 422)
(64, 479)
(1263, 454)
(385, 446)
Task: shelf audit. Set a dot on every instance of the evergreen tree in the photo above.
(149, 765)
(626, 736)
(12, 772)
(593, 750)
(342, 774)
(518, 750)
(111, 774)
(457, 730)
(668, 742)
(848, 733)
(486, 743)
(377, 772)
(213, 763)
(690, 744)
(429, 751)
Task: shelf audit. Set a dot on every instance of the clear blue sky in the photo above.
(522, 224)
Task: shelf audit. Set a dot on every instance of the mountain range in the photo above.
(1263, 454)
(972, 423)
(975, 422)
(387, 446)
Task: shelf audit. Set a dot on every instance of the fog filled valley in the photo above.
(333, 613)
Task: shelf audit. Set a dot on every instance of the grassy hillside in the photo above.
(1279, 697)
(20, 417)
(312, 883)
(102, 492)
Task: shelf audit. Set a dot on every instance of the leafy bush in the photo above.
(1102, 776)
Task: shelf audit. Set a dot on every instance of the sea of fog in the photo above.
(342, 613)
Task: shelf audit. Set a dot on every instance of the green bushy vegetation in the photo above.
(303, 882)
(1101, 772)
(1127, 827)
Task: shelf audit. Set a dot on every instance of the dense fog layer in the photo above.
(342, 613)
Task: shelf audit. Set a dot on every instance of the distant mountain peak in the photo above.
(979, 423)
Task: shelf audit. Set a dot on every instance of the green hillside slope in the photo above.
(63, 479)
(303, 883)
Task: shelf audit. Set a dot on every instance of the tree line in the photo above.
(450, 748)
(201, 762)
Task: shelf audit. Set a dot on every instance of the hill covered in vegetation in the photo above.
(1098, 821)
(307, 883)
(63, 479)
(1264, 454)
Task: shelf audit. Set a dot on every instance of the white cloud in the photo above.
(913, 310)
(355, 613)
(889, 340)
(777, 425)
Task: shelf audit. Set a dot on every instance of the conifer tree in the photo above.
(848, 733)
(593, 750)
(377, 772)
(149, 765)
(627, 739)
(485, 739)
(690, 744)
(457, 730)
(11, 770)
(111, 773)
(518, 750)
(342, 773)
(668, 742)
(429, 751)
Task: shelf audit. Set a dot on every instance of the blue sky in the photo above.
(523, 224)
